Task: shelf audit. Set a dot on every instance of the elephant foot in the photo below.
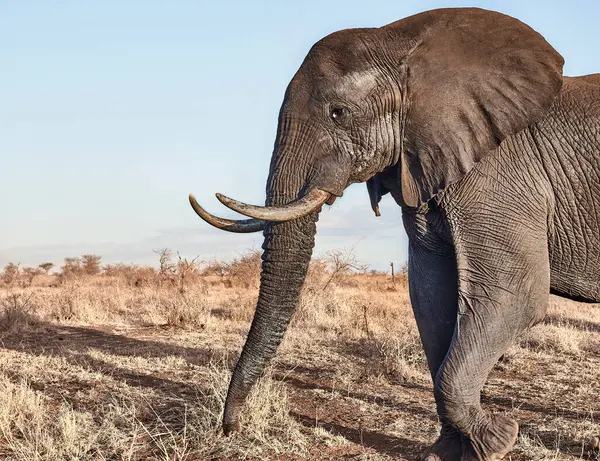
(491, 441)
(448, 446)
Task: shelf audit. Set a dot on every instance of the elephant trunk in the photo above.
(288, 247)
(303, 175)
(287, 252)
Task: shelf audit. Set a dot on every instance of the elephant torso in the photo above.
(545, 180)
(568, 145)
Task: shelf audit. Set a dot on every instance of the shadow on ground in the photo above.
(173, 395)
(394, 446)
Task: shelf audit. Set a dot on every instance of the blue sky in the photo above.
(111, 112)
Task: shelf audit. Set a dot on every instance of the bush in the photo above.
(10, 273)
(214, 268)
(71, 268)
(16, 314)
(245, 270)
(90, 264)
(132, 275)
(30, 273)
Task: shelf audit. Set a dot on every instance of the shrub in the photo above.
(71, 268)
(245, 270)
(10, 273)
(90, 264)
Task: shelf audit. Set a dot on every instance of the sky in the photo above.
(113, 111)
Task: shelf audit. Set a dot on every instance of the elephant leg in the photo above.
(503, 286)
(432, 286)
(433, 295)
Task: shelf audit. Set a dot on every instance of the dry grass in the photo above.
(104, 368)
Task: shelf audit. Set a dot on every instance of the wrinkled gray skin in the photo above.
(493, 156)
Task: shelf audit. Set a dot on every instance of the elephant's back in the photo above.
(590, 79)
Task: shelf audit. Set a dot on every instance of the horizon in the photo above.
(113, 113)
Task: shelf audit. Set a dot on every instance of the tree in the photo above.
(166, 266)
(341, 262)
(71, 267)
(10, 273)
(91, 264)
(46, 267)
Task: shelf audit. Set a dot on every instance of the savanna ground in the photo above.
(133, 363)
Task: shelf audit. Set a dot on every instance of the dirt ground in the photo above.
(99, 370)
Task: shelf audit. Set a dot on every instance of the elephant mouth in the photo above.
(309, 203)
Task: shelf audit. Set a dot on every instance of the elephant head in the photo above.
(409, 107)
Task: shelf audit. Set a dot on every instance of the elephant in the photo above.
(464, 117)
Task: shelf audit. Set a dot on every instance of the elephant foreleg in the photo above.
(433, 287)
(503, 286)
(433, 295)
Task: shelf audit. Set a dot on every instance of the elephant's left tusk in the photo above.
(240, 226)
(309, 203)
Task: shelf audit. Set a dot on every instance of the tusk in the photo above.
(242, 226)
(294, 210)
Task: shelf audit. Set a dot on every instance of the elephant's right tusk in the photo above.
(311, 202)
(241, 226)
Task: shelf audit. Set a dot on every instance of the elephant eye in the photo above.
(338, 113)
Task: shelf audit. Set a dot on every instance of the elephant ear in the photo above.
(474, 77)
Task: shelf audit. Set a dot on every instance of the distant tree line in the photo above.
(178, 272)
